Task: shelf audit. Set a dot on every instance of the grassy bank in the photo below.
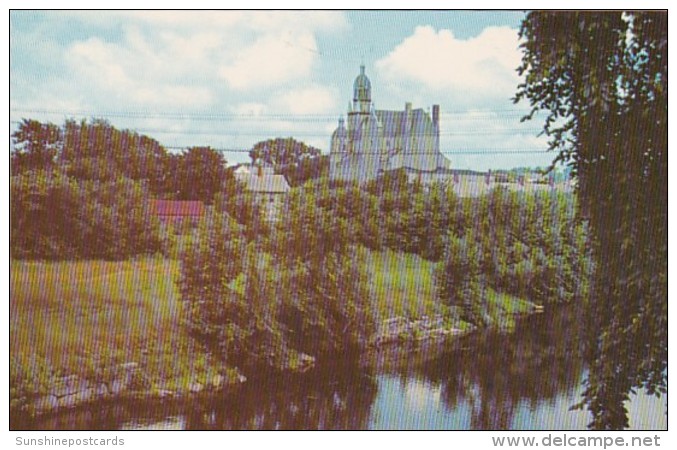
(82, 317)
(503, 309)
(403, 284)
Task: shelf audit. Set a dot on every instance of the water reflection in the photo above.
(524, 380)
(328, 399)
(491, 380)
(496, 372)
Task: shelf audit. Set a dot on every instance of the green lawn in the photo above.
(77, 317)
(402, 284)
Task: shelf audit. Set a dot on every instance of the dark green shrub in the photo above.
(236, 325)
(57, 217)
(459, 279)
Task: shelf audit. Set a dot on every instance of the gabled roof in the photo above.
(417, 123)
(177, 208)
(264, 183)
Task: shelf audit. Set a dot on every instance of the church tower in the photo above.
(372, 141)
(362, 93)
(359, 113)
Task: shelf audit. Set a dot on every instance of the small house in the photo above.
(268, 189)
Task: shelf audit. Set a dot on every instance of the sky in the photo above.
(229, 79)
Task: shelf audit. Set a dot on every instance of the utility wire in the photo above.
(443, 152)
(307, 134)
(469, 114)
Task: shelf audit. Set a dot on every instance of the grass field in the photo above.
(79, 317)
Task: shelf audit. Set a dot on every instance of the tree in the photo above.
(58, 217)
(242, 206)
(219, 317)
(281, 153)
(354, 205)
(459, 278)
(200, 174)
(325, 299)
(96, 150)
(602, 79)
(311, 168)
(36, 146)
(260, 303)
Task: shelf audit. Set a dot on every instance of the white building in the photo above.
(268, 189)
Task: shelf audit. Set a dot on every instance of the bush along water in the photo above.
(296, 290)
(528, 245)
(280, 302)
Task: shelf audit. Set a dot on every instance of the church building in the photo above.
(372, 142)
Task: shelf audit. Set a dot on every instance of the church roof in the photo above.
(381, 140)
(340, 131)
(395, 125)
(423, 161)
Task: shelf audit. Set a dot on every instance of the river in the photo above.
(526, 379)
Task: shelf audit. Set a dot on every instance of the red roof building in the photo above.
(177, 210)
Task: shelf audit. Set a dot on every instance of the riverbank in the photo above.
(406, 306)
(126, 382)
(83, 331)
(87, 320)
(476, 382)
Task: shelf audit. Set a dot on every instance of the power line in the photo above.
(468, 114)
(467, 151)
(327, 135)
(474, 151)
(317, 134)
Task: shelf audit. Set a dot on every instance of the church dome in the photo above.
(362, 87)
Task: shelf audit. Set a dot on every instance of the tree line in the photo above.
(82, 190)
(95, 150)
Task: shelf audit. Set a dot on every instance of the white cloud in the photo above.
(473, 80)
(272, 21)
(132, 73)
(231, 78)
(483, 65)
(271, 60)
(295, 21)
(197, 59)
(309, 100)
(93, 58)
(250, 109)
